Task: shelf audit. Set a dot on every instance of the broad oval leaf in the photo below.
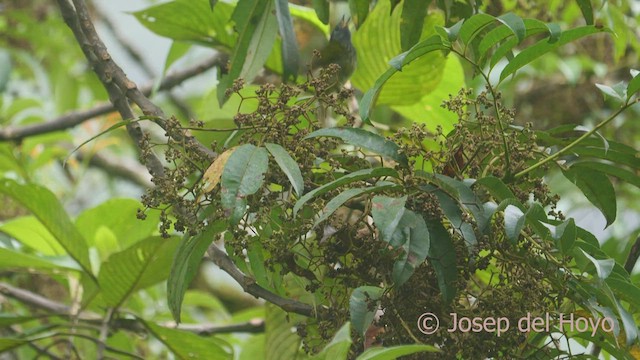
(416, 248)
(288, 166)
(413, 15)
(364, 139)
(346, 179)
(597, 188)
(46, 208)
(280, 341)
(387, 213)
(243, 175)
(136, 267)
(359, 308)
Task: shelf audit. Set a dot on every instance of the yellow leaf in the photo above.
(213, 174)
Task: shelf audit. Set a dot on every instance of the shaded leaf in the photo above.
(186, 263)
(416, 248)
(587, 10)
(544, 46)
(257, 27)
(603, 267)
(387, 213)
(339, 346)
(46, 208)
(597, 188)
(442, 256)
(413, 15)
(243, 175)
(322, 10)
(634, 85)
(288, 165)
(7, 344)
(346, 179)
(473, 26)
(289, 44)
(515, 24)
(281, 340)
(364, 139)
(359, 10)
(188, 345)
(453, 212)
(360, 309)
(565, 235)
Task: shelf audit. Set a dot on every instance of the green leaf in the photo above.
(212, 4)
(11, 319)
(361, 313)
(544, 46)
(387, 213)
(289, 45)
(442, 256)
(257, 28)
(44, 206)
(603, 267)
(280, 341)
(366, 103)
(7, 344)
(31, 232)
(288, 166)
(188, 345)
(365, 139)
(346, 179)
(597, 188)
(610, 91)
(565, 235)
(10, 259)
(178, 49)
(394, 352)
(587, 10)
(413, 15)
(119, 216)
(189, 20)
(359, 10)
(514, 220)
(634, 86)
(453, 211)
(186, 262)
(322, 10)
(629, 323)
(416, 248)
(613, 170)
(496, 188)
(339, 346)
(345, 196)
(375, 49)
(473, 26)
(515, 24)
(136, 267)
(242, 176)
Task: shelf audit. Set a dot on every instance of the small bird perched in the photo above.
(338, 51)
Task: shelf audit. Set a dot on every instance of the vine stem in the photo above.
(573, 143)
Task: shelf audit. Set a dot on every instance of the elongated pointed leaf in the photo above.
(44, 206)
(346, 179)
(322, 10)
(597, 188)
(613, 170)
(361, 312)
(359, 11)
(587, 10)
(387, 213)
(10, 259)
(603, 267)
(369, 98)
(188, 345)
(416, 249)
(442, 256)
(186, 262)
(257, 28)
(453, 211)
(565, 235)
(473, 26)
(290, 53)
(515, 24)
(345, 196)
(243, 175)
(364, 139)
(634, 86)
(514, 220)
(288, 165)
(213, 174)
(544, 46)
(135, 267)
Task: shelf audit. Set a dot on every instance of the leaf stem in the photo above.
(573, 143)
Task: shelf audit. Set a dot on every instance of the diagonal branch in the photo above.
(75, 118)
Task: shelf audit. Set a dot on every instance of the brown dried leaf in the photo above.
(213, 174)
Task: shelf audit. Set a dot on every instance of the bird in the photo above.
(339, 50)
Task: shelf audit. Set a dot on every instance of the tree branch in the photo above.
(75, 118)
(249, 285)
